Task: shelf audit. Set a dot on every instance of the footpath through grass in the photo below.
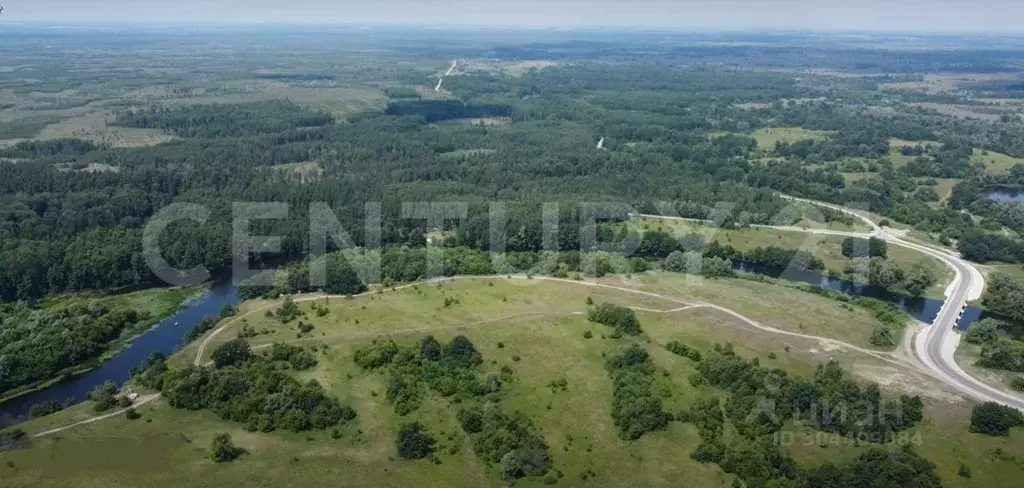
(532, 333)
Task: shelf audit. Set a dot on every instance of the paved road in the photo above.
(936, 345)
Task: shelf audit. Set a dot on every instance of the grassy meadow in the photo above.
(828, 248)
(536, 328)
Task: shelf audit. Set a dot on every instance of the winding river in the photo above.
(169, 335)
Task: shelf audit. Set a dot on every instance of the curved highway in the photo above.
(935, 346)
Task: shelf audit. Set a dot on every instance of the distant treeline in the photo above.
(437, 110)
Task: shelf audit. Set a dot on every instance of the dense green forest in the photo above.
(36, 344)
(683, 133)
(74, 230)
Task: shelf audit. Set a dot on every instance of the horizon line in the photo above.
(511, 27)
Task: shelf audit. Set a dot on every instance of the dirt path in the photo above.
(140, 402)
(686, 305)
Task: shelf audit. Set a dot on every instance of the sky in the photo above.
(978, 16)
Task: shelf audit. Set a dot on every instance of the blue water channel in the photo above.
(169, 336)
(166, 337)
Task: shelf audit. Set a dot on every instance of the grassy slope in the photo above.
(827, 248)
(169, 446)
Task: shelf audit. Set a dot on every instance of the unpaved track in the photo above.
(935, 346)
(140, 402)
(446, 73)
(686, 305)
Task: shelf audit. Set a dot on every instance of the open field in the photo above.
(158, 302)
(963, 111)
(995, 162)
(421, 308)
(301, 173)
(768, 136)
(511, 68)
(935, 83)
(899, 159)
(340, 101)
(170, 446)
(95, 127)
(945, 187)
(1015, 271)
(825, 247)
(967, 356)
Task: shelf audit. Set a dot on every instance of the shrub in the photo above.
(413, 442)
(964, 471)
(1018, 383)
(471, 420)
(430, 349)
(588, 334)
(680, 349)
(461, 353)
(378, 354)
(45, 408)
(635, 408)
(14, 439)
(298, 357)
(288, 311)
(994, 419)
(104, 396)
(882, 336)
(223, 450)
(131, 414)
(231, 353)
(622, 319)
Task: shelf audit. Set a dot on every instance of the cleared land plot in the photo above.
(170, 446)
(301, 173)
(826, 247)
(767, 137)
(945, 187)
(421, 309)
(95, 127)
(995, 162)
(339, 101)
(963, 111)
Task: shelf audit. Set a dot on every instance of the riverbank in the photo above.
(537, 320)
(156, 303)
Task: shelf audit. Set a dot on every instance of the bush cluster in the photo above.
(635, 408)
(680, 349)
(257, 393)
(622, 319)
(994, 419)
